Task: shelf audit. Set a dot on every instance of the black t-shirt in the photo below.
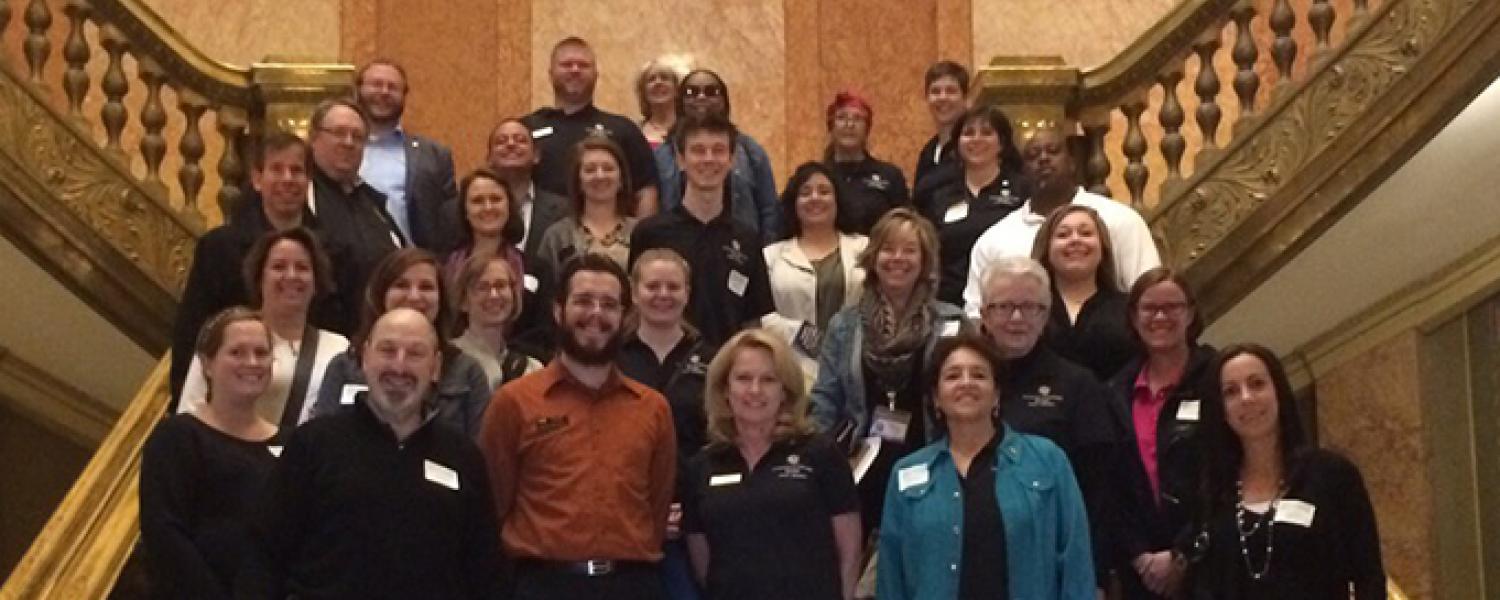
(873, 187)
(730, 288)
(681, 378)
(1099, 339)
(556, 133)
(960, 218)
(770, 529)
(983, 573)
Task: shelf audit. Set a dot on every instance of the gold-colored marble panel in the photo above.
(245, 31)
(742, 40)
(1086, 33)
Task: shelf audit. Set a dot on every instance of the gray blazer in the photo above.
(431, 194)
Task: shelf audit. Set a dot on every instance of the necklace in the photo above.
(1247, 523)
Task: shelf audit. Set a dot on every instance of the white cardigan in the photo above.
(794, 286)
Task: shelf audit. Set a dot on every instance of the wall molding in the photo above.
(53, 403)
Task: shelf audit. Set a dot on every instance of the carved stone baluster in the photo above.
(1136, 172)
(231, 125)
(1361, 7)
(4, 15)
(115, 86)
(1173, 146)
(1096, 166)
(192, 148)
(76, 54)
(153, 120)
(1283, 48)
(1320, 16)
(37, 46)
(1207, 88)
(1246, 81)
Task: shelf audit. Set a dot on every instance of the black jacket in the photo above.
(356, 220)
(431, 195)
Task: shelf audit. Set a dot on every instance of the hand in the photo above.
(1158, 571)
(674, 521)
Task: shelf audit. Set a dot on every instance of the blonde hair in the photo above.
(895, 220)
(671, 257)
(792, 420)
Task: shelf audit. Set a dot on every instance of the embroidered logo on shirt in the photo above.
(550, 424)
(600, 129)
(793, 469)
(875, 181)
(733, 253)
(694, 366)
(1043, 398)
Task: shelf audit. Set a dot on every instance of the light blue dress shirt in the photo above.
(384, 168)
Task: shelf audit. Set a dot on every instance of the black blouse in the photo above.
(1099, 339)
(873, 186)
(960, 218)
(982, 572)
(679, 377)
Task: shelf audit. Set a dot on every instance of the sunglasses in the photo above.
(703, 91)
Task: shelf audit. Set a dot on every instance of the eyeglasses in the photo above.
(355, 136)
(1168, 309)
(703, 91)
(587, 303)
(482, 288)
(1009, 309)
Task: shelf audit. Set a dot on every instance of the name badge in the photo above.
(274, 450)
(737, 282)
(1295, 512)
(957, 212)
(537, 134)
(725, 479)
(950, 328)
(530, 283)
(440, 475)
(350, 391)
(1188, 410)
(911, 477)
(890, 425)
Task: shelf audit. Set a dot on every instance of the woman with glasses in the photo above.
(874, 186)
(489, 299)
(1158, 398)
(752, 187)
(656, 91)
(1088, 324)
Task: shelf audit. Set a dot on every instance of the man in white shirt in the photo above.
(1053, 172)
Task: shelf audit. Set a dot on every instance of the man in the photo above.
(1050, 166)
(382, 501)
(414, 173)
(1045, 394)
(947, 88)
(730, 288)
(558, 128)
(279, 177)
(582, 458)
(345, 209)
(513, 156)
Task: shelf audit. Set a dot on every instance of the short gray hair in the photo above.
(1016, 266)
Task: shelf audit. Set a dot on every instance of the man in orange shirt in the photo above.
(582, 459)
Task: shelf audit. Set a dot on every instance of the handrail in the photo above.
(1143, 58)
(153, 37)
(83, 547)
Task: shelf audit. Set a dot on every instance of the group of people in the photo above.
(615, 363)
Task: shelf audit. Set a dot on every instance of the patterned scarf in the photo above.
(895, 338)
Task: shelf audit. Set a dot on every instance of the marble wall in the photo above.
(1086, 33)
(246, 31)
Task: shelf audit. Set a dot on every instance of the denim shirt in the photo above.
(752, 187)
(839, 392)
(1046, 528)
(461, 394)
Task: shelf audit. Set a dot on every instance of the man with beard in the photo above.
(414, 173)
(582, 458)
(1050, 167)
(557, 129)
(380, 501)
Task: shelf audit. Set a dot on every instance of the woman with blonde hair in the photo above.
(767, 487)
(656, 91)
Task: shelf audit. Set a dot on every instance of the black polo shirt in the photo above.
(770, 529)
(556, 133)
(983, 573)
(682, 378)
(1099, 339)
(932, 156)
(730, 288)
(961, 217)
(873, 187)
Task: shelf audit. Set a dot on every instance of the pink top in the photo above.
(1145, 409)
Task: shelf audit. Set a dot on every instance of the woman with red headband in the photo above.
(874, 186)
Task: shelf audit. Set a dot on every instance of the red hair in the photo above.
(850, 98)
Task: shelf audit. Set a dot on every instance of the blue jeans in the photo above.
(677, 572)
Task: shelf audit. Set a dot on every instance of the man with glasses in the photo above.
(346, 211)
(1045, 394)
(583, 459)
(557, 129)
(414, 172)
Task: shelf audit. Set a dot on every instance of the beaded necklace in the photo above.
(1247, 523)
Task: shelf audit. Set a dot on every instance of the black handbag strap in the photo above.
(297, 396)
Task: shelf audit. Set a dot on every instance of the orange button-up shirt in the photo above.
(579, 473)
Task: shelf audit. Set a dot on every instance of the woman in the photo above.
(286, 272)
(815, 272)
(408, 278)
(490, 226)
(201, 471)
(666, 353)
(489, 299)
(990, 188)
(1157, 397)
(1284, 519)
(1088, 322)
(872, 356)
(1010, 497)
(603, 208)
(874, 186)
(752, 186)
(771, 510)
(656, 91)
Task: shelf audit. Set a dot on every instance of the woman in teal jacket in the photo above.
(984, 512)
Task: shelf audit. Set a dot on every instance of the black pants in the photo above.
(632, 583)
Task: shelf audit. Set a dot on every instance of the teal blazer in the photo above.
(1046, 529)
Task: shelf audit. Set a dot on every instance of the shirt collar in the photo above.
(555, 374)
(1006, 443)
(397, 134)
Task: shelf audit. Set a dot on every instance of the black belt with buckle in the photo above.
(589, 568)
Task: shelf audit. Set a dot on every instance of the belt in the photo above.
(588, 568)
